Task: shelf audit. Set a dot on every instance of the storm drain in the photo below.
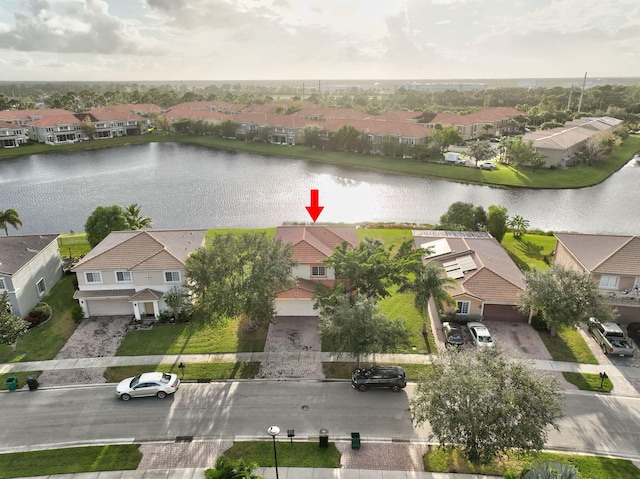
(184, 438)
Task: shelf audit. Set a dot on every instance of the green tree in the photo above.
(550, 470)
(563, 297)
(9, 217)
(12, 326)
(519, 226)
(497, 222)
(240, 274)
(431, 282)
(88, 128)
(486, 404)
(177, 298)
(461, 216)
(481, 151)
(103, 221)
(355, 326)
(445, 137)
(134, 218)
(311, 136)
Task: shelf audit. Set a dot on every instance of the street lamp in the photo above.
(273, 432)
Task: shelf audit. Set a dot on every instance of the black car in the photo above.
(392, 377)
(452, 335)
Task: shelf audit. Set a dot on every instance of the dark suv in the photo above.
(392, 377)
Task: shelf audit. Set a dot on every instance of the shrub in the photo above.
(77, 314)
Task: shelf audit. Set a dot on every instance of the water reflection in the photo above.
(182, 186)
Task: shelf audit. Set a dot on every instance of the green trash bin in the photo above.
(11, 383)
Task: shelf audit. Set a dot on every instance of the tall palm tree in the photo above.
(519, 226)
(431, 282)
(9, 217)
(136, 222)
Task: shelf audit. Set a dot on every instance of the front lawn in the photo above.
(191, 371)
(568, 345)
(589, 382)
(296, 454)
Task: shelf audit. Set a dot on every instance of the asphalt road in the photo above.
(593, 423)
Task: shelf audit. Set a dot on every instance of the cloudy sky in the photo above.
(135, 40)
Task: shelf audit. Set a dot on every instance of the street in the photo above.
(46, 417)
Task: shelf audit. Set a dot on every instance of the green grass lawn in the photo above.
(191, 372)
(70, 461)
(296, 454)
(588, 382)
(568, 345)
(530, 251)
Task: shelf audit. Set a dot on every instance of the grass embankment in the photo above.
(504, 176)
(70, 461)
(296, 454)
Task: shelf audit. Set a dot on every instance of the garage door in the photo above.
(295, 307)
(109, 307)
(503, 312)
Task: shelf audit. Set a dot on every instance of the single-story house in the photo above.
(30, 266)
(311, 247)
(614, 264)
(489, 283)
(128, 273)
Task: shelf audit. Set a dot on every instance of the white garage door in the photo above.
(110, 307)
(295, 307)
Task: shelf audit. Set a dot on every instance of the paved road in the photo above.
(245, 409)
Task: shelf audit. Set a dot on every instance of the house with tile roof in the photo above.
(111, 122)
(30, 265)
(489, 283)
(612, 261)
(491, 121)
(58, 129)
(311, 247)
(12, 136)
(128, 273)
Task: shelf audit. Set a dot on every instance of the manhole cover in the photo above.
(305, 408)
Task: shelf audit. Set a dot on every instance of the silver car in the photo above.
(148, 384)
(480, 335)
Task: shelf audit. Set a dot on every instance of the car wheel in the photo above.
(161, 394)
(125, 397)
(396, 388)
(362, 388)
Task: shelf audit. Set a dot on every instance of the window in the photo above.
(123, 276)
(172, 276)
(318, 271)
(462, 307)
(609, 281)
(42, 288)
(2, 284)
(93, 277)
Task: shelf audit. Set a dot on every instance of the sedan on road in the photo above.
(148, 384)
(480, 335)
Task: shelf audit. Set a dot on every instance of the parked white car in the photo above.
(480, 335)
(487, 165)
(148, 384)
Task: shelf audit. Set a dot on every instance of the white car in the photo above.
(487, 165)
(480, 335)
(148, 384)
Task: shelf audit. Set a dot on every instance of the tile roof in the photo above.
(143, 250)
(66, 118)
(604, 254)
(313, 244)
(17, 251)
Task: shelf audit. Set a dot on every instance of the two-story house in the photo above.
(311, 247)
(613, 263)
(30, 266)
(128, 273)
(489, 283)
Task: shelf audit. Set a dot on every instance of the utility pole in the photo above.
(569, 102)
(584, 82)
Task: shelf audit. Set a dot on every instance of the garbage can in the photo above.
(32, 382)
(11, 383)
(324, 438)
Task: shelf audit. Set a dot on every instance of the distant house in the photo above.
(29, 267)
(128, 273)
(58, 129)
(489, 283)
(614, 264)
(311, 247)
(491, 121)
(12, 136)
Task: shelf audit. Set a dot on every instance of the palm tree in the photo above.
(550, 470)
(136, 222)
(9, 217)
(519, 226)
(431, 283)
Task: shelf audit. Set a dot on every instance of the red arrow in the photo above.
(314, 210)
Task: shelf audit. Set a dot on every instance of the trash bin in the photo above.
(11, 383)
(32, 382)
(324, 438)
(355, 440)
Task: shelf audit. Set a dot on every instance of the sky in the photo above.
(180, 40)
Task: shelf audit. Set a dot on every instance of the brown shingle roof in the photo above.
(17, 251)
(604, 254)
(312, 244)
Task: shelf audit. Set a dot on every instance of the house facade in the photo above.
(60, 129)
(128, 273)
(12, 136)
(488, 282)
(612, 261)
(311, 247)
(30, 266)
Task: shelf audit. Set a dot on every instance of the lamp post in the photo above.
(273, 432)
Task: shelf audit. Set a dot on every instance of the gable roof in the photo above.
(143, 250)
(481, 266)
(313, 244)
(17, 251)
(604, 254)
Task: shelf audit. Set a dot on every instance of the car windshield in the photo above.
(134, 382)
(485, 339)
(455, 336)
